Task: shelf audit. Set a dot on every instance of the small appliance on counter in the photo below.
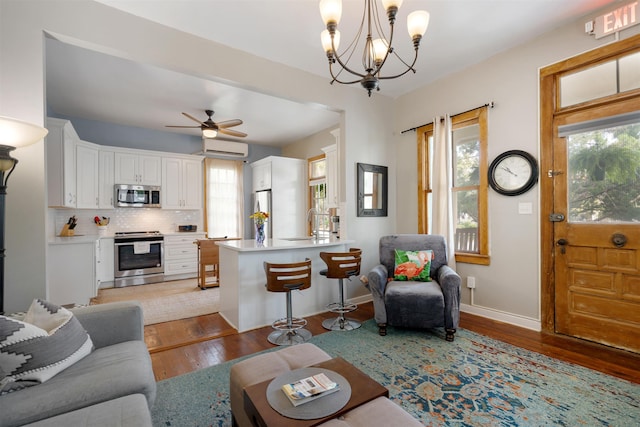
(187, 228)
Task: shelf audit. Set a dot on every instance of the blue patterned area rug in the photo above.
(474, 381)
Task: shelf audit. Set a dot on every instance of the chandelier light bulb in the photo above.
(331, 11)
(417, 23)
(325, 36)
(391, 3)
(380, 48)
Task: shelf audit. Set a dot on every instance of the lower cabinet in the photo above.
(71, 276)
(105, 262)
(181, 255)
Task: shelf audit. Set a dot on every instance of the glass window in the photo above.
(604, 175)
(629, 72)
(319, 214)
(591, 83)
(223, 198)
(469, 138)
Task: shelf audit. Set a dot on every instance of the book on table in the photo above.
(308, 389)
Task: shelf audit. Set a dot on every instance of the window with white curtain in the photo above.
(223, 198)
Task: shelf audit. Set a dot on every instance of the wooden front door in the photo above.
(591, 207)
(597, 244)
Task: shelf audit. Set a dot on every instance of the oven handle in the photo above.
(153, 242)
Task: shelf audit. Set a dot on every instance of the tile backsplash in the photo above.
(125, 219)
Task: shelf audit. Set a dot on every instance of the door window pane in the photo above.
(629, 72)
(604, 175)
(592, 83)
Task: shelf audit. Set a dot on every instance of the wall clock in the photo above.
(513, 173)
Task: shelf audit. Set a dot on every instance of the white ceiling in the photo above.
(94, 86)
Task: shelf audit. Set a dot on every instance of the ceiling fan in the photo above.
(210, 129)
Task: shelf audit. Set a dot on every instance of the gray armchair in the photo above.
(415, 304)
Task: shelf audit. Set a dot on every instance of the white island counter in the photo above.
(244, 300)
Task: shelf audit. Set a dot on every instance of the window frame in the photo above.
(477, 116)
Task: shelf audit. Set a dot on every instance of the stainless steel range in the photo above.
(139, 258)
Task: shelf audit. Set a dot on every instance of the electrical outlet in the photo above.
(471, 282)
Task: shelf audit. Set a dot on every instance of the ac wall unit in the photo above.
(225, 148)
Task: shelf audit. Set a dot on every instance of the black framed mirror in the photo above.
(372, 190)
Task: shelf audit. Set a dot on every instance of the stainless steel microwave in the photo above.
(137, 196)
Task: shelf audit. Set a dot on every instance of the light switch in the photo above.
(525, 208)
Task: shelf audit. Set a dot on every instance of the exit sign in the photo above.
(623, 17)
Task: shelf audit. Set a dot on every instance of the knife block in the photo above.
(66, 231)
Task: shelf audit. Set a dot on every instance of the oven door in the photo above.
(139, 257)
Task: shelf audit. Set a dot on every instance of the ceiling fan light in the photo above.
(417, 23)
(325, 37)
(209, 133)
(331, 11)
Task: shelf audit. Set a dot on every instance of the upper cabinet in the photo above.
(60, 145)
(106, 179)
(87, 175)
(134, 168)
(181, 183)
(261, 175)
(331, 171)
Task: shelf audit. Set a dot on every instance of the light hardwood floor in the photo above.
(190, 344)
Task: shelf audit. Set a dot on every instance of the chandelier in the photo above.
(376, 51)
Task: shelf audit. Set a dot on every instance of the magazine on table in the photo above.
(308, 389)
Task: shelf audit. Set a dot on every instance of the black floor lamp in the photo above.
(13, 133)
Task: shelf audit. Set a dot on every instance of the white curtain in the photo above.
(443, 214)
(224, 198)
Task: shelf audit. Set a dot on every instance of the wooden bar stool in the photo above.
(209, 261)
(341, 265)
(286, 278)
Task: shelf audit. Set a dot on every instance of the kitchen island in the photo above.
(244, 300)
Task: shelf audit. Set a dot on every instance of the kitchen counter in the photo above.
(74, 240)
(244, 300)
(279, 244)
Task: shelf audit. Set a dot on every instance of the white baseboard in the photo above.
(501, 316)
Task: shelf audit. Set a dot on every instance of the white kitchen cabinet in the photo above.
(105, 257)
(331, 174)
(106, 179)
(87, 175)
(71, 272)
(132, 167)
(261, 175)
(60, 145)
(181, 183)
(287, 178)
(181, 255)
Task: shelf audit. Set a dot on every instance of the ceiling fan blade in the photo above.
(232, 132)
(190, 127)
(229, 123)
(193, 118)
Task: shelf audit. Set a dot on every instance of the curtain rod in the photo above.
(490, 105)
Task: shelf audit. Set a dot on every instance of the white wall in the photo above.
(365, 122)
(510, 286)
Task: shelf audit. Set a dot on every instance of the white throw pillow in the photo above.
(49, 340)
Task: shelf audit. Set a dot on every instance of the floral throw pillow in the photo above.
(413, 265)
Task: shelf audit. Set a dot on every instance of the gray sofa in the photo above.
(114, 385)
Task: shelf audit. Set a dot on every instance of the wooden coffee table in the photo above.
(363, 390)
